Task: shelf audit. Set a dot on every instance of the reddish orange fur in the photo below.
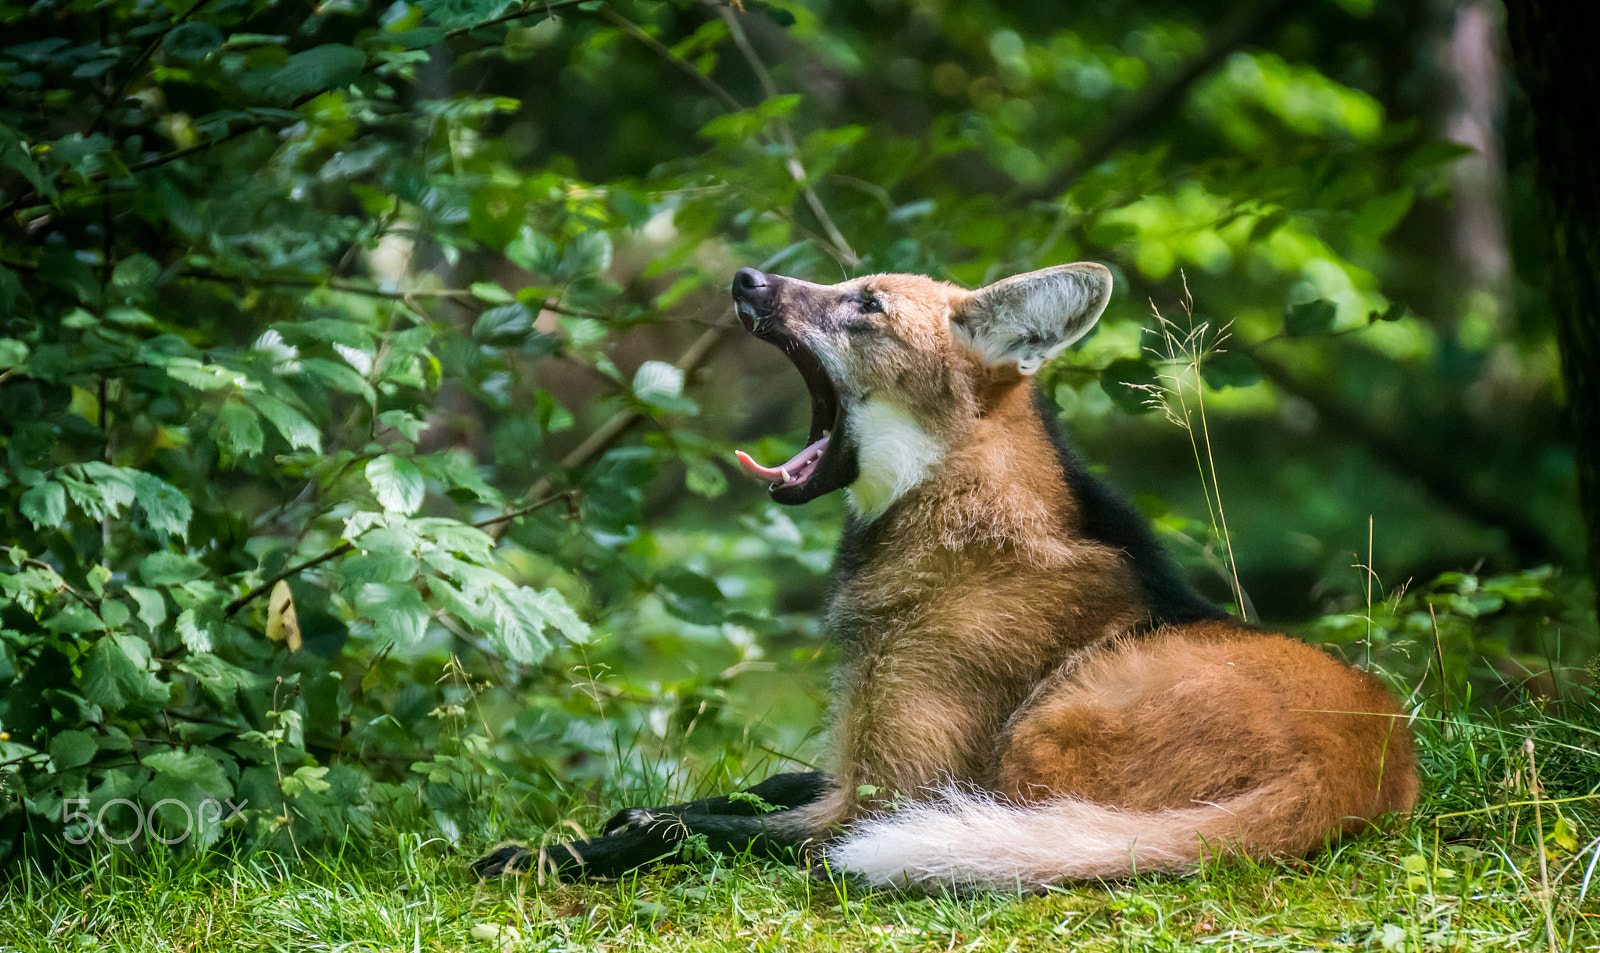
(991, 644)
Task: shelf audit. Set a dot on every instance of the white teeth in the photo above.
(784, 473)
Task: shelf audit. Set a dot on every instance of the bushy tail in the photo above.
(966, 839)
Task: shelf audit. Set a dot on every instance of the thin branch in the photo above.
(840, 247)
(683, 66)
(532, 10)
(41, 564)
(613, 429)
(144, 54)
(742, 41)
(295, 570)
(522, 511)
(1240, 28)
(372, 64)
(344, 548)
(458, 295)
(1528, 541)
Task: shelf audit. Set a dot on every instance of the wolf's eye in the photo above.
(870, 303)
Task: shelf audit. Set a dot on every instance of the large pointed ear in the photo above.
(1028, 319)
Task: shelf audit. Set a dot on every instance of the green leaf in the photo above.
(189, 766)
(195, 635)
(1230, 369)
(218, 676)
(307, 779)
(12, 352)
(192, 42)
(534, 251)
(169, 569)
(1379, 216)
(520, 618)
(238, 429)
(1309, 317)
(397, 612)
(1131, 384)
(506, 325)
(409, 425)
(166, 509)
(45, 505)
(114, 614)
(74, 618)
(136, 275)
(704, 478)
(115, 485)
(691, 596)
(329, 66)
(377, 567)
(660, 385)
(200, 376)
(588, 254)
(152, 607)
(1434, 154)
(84, 155)
(490, 292)
(114, 674)
(396, 483)
(301, 433)
(70, 749)
(19, 158)
(338, 376)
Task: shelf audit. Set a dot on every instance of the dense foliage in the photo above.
(365, 432)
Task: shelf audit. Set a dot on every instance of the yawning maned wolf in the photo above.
(1030, 692)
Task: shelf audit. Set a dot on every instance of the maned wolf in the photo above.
(1030, 692)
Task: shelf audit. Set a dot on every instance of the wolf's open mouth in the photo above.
(825, 464)
(797, 470)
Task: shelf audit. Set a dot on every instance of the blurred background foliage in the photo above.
(369, 385)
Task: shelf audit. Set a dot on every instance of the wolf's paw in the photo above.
(508, 858)
(628, 819)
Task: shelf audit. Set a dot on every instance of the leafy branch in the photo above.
(262, 122)
(121, 91)
(458, 295)
(40, 564)
(347, 547)
(1243, 25)
(612, 430)
(837, 245)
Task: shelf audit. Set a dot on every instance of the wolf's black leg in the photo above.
(640, 846)
(782, 791)
(636, 837)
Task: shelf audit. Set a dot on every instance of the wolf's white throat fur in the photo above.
(893, 453)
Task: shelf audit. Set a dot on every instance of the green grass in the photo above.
(1463, 874)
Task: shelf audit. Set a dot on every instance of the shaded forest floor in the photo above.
(1464, 873)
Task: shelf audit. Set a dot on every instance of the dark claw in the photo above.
(627, 819)
(504, 859)
(561, 861)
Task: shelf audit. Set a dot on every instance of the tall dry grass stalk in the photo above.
(1179, 393)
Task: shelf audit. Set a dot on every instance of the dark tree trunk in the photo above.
(1553, 45)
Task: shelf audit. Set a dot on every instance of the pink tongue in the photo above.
(795, 471)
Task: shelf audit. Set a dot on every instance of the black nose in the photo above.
(747, 281)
